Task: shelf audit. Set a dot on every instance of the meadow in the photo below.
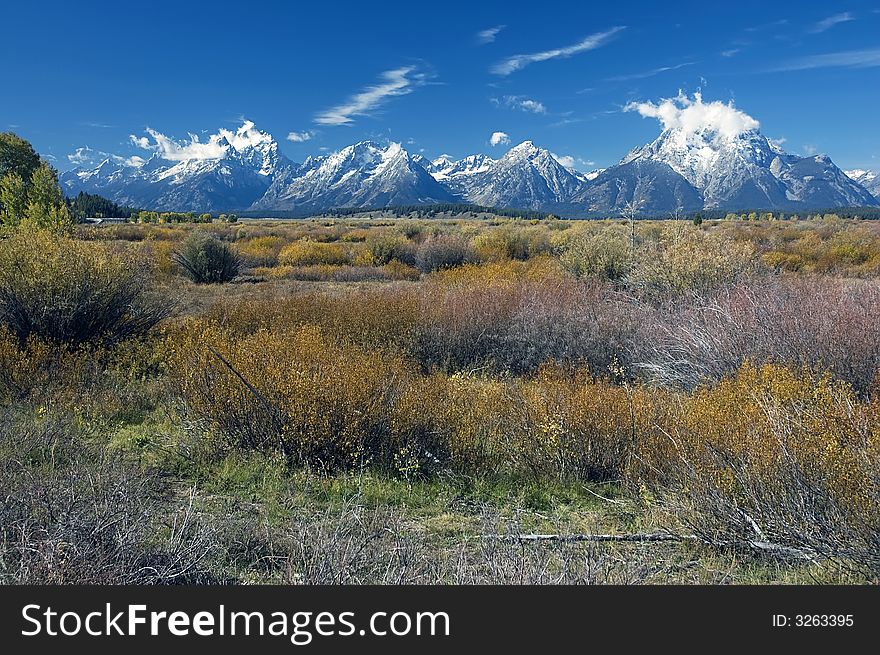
(446, 400)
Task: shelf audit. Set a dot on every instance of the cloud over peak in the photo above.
(518, 62)
(215, 147)
(693, 116)
(501, 138)
(395, 82)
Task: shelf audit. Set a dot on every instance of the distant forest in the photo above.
(88, 205)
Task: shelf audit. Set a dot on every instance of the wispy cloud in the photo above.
(501, 138)
(522, 103)
(844, 59)
(86, 156)
(766, 26)
(396, 82)
(810, 149)
(566, 121)
(831, 21)
(300, 137)
(731, 52)
(518, 62)
(489, 35)
(96, 124)
(650, 73)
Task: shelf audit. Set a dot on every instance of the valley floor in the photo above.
(414, 401)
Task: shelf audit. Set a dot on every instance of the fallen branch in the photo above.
(658, 536)
(762, 546)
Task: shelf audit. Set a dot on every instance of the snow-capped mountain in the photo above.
(746, 170)
(868, 179)
(681, 170)
(240, 169)
(527, 177)
(362, 175)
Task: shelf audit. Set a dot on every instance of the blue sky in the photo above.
(438, 77)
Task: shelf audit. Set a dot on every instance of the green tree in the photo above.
(45, 201)
(13, 199)
(17, 156)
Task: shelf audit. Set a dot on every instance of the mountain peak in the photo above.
(524, 147)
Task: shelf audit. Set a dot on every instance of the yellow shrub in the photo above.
(260, 251)
(305, 253)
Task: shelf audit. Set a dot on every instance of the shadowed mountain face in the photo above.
(678, 171)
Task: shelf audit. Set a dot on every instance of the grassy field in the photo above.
(379, 400)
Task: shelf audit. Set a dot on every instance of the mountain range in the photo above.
(680, 171)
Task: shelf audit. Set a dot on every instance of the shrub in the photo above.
(820, 323)
(781, 460)
(385, 248)
(511, 243)
(605, 255)
(206, 260)
(397, 270)
(309, 253)
(315, 402)
(687, 260)
(77, 514)
(74, 292)
(260, 251)
(443, 251)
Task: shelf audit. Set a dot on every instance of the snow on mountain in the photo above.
(708, 155)
(236, 171)
(526, 177)
(868, 179)
(365, 174)
(720, 151)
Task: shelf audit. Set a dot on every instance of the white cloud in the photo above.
(245, 136)
(731, 52)
(693, 115)
(777, 143)
(650, 73)
(396, 82)
(570, 161)
(810, 149)
(488, 35)
(300, 137)
(140, 141)
(499, 138)
(134, 160)
(518, 62)
(85, 155)
(522, 103)
(844, 59)
(215, 147)
(193, 149)
(831, 21)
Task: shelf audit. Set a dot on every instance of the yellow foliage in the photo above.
(305, 253)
